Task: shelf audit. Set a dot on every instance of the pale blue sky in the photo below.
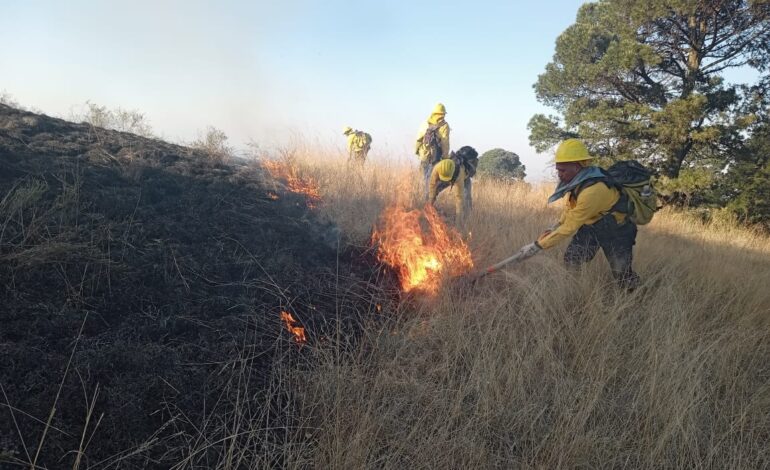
(266, 70)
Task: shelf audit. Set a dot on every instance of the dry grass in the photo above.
(540, 367)
(535, 367)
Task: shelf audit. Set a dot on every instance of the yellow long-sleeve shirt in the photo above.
(358, 141)
(592, 204)
(435, 186)
(443, 133)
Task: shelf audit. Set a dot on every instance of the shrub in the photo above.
(8, 100)
(119, 119)
(501, 164)
(213, 143)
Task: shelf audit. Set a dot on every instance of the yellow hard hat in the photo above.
(446, 169)
(572, 150)
(439, 109)
(347, 130)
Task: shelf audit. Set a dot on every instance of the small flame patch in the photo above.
(297, 184)
(293, 326)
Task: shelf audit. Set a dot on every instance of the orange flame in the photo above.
(420, 256)
(272, 196)
(291, 325)
(295, 183)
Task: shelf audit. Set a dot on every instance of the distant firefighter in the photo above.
(359, 143)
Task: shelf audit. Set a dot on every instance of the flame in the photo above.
(420, 256)
(292, 326)
(272, 196)
(297, 184)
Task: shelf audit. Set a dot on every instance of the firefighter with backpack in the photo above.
(432, 144)
(359, 143)
(455, 173)
(603, 209)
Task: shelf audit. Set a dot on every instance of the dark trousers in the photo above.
(616, 240)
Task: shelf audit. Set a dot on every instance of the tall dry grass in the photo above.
(541, 367)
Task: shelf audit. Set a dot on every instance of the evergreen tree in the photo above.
(747, 185)
(643, 79)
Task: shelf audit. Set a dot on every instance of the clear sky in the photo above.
(267, 70)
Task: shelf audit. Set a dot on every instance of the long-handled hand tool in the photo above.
(519, 256)
(525, 252)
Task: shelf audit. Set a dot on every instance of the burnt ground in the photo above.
(143, 281)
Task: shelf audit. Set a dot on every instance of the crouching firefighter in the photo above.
(455, 173)
(595, 216)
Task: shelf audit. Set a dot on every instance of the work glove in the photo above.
(548, 231)
(530, 250)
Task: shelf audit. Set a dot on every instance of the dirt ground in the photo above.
(175, 268)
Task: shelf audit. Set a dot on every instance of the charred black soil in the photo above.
(154, 276)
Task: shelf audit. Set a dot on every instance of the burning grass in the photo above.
(289, 172)
(421, 253)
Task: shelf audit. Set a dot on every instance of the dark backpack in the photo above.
(635, 181)
(638, 197)
(468, 157)
(363, 140)
(432, 141)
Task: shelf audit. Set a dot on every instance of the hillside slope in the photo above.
(174, 267)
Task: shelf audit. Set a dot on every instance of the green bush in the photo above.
(501, 164)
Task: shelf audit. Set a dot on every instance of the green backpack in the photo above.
(635, 182)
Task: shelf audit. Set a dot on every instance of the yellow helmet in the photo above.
(572, 150)
(439, 109)
(446, 169)
(347, 130)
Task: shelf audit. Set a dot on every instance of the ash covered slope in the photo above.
(178, 263)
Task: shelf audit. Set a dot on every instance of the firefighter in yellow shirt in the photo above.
(449, 174)
(359, 144)
(432, 144)
(590, 216)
